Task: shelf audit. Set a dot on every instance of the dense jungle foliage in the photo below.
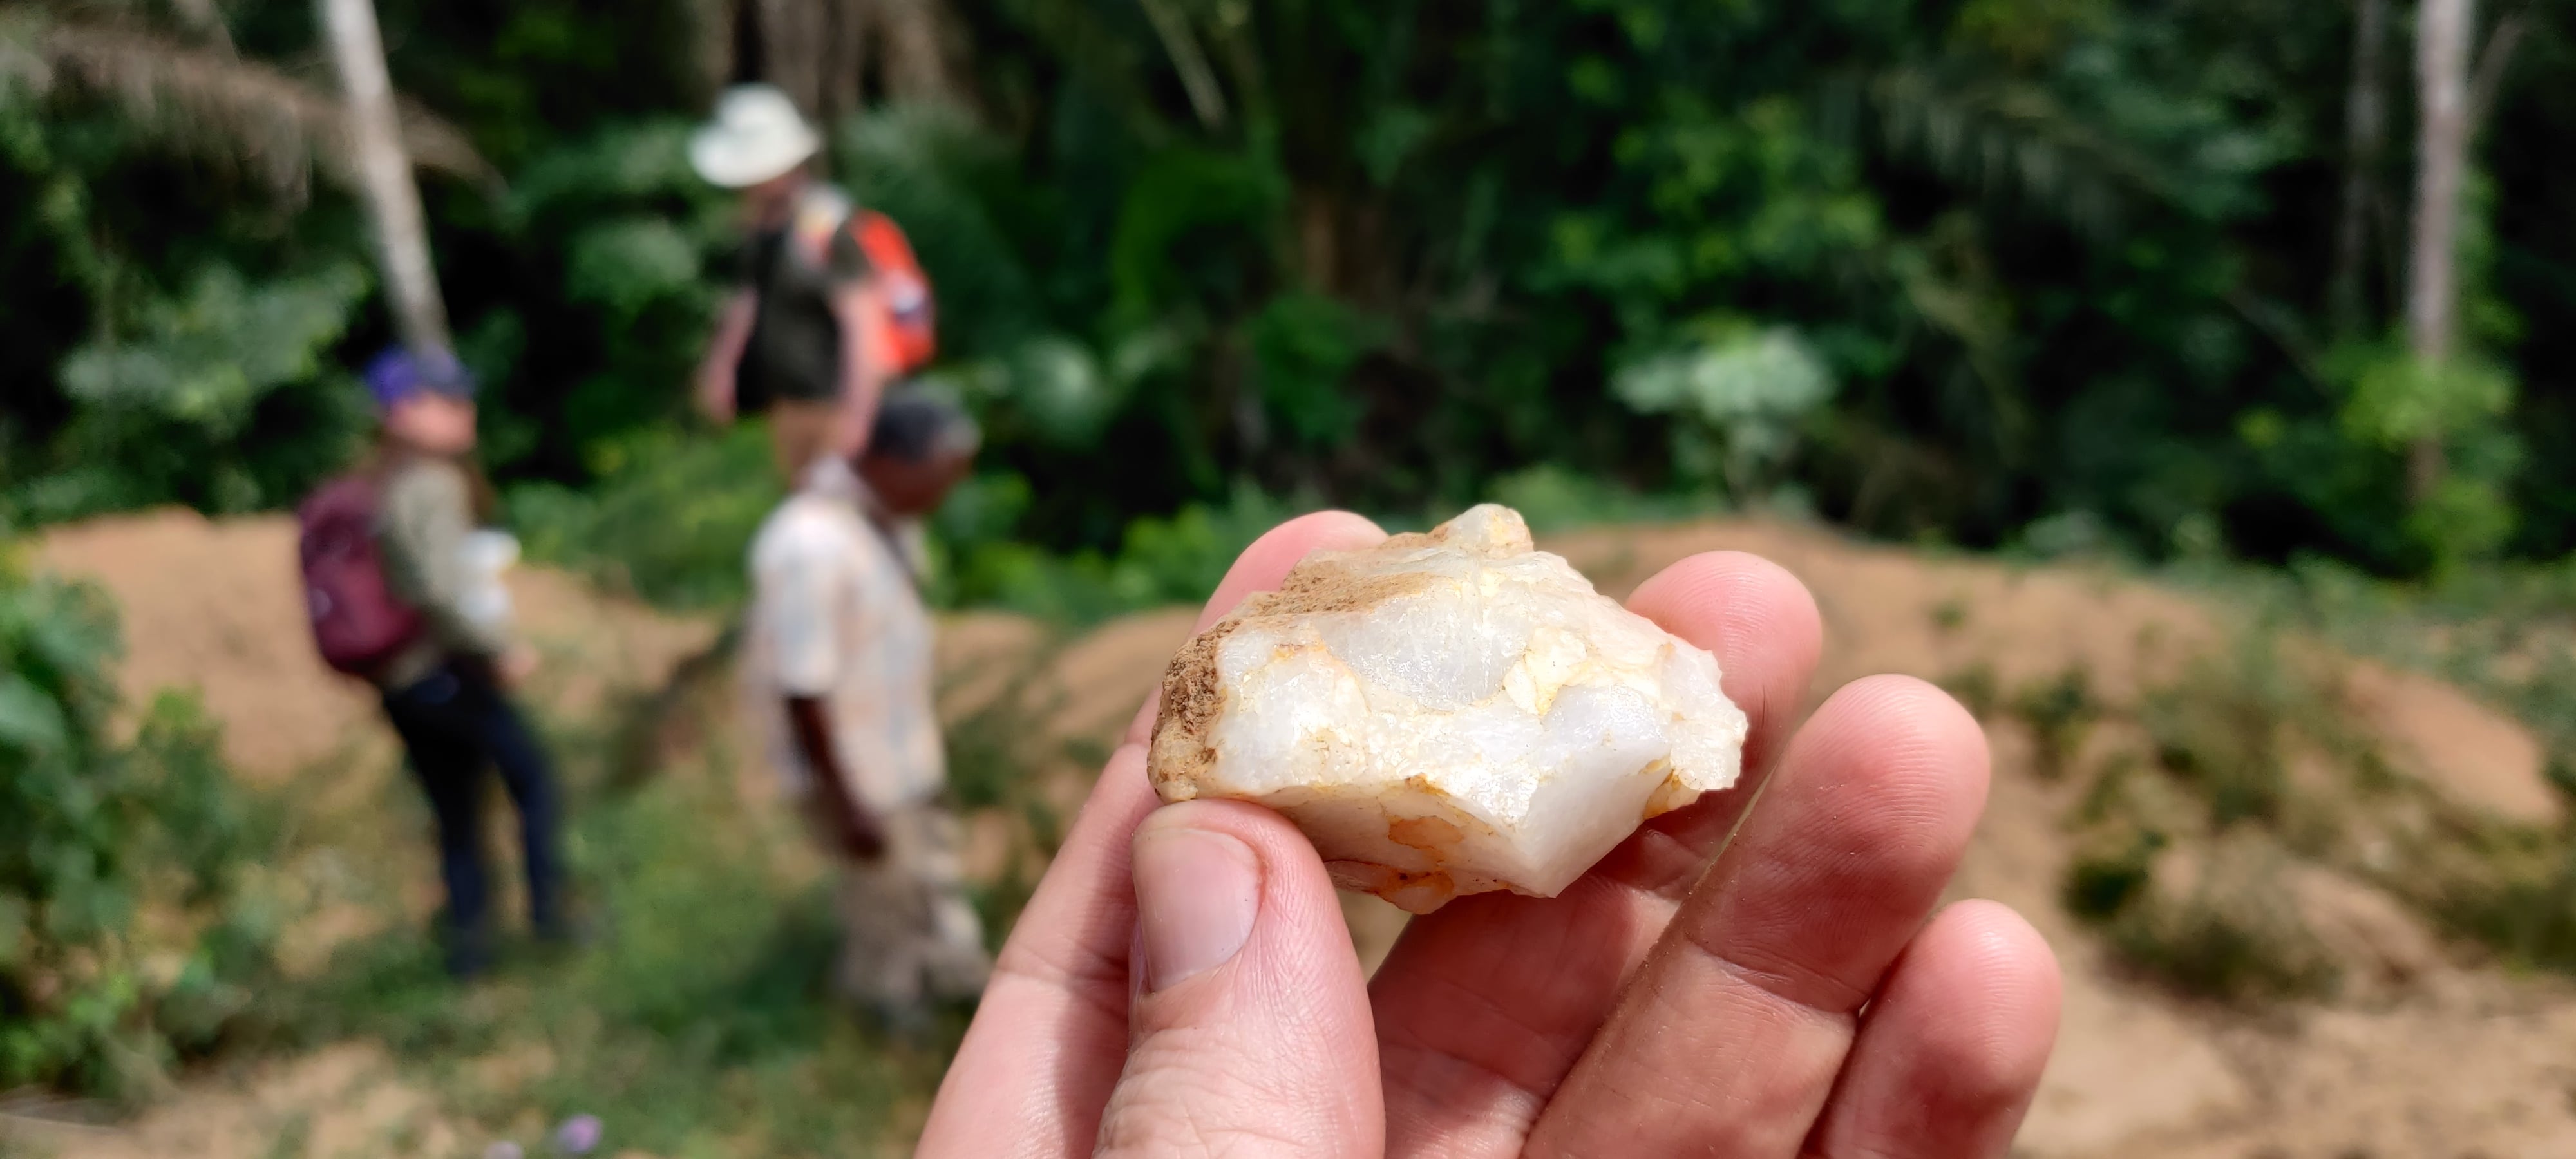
(2056, 272)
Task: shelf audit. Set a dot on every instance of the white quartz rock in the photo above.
(1445, 714)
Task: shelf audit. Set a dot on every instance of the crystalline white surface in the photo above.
(1446, 714)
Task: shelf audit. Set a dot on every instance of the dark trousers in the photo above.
(454, 723)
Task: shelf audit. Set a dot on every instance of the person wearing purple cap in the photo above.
(444, 681)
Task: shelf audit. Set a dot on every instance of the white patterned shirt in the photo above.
(835, 616)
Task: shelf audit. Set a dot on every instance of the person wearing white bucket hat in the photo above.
(832, 304)
(756, 137)
(833, 307)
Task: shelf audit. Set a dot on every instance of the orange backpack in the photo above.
(903, 290)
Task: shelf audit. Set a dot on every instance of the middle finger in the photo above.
(1729, 1039)
(1484, 1006)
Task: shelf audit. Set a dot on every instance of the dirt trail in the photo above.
(2440, 1056)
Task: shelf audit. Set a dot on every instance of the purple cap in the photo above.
(398, 374)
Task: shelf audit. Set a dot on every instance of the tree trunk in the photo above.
(1182, 46)
(845, 62)
(2365, 132)
(2432, 292)
(384, 174)
(915, 56)
(792, 38)
(713, 26)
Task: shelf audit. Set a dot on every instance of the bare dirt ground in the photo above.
(2430, 1052)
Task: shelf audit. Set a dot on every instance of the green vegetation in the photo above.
(2502, 633)
(701, 1025)
(1988, 271)
(2235, 935)
(2059, 712)
(133, 926)
(701, 1021)
(2255, 772)
(2185, 861)
(2040, 276)
(670, 519)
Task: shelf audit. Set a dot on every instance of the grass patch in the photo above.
(2255, 765)
(2208, 917)
(2103, 883)
(701, 1022)
(2182, 861)
(2233, 725)
(2527, 912)
(2060, 712)
(1976, 688)
(2236, 936)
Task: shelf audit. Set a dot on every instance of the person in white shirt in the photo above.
(839, 660)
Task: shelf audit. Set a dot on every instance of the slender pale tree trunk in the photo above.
(2442, 30)
(2365, 133)
(384, 174)
(1172, 27)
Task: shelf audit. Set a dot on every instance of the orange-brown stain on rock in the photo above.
(1428, 834)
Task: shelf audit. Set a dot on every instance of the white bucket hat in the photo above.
(757, 135)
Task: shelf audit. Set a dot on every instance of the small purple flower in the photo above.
(579, 1135)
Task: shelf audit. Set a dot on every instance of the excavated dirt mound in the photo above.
(1894, 610)
(2439, 1055)
(217, 608)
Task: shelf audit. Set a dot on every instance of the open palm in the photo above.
(1730, 981)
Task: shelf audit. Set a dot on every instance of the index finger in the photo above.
(1050, 1037)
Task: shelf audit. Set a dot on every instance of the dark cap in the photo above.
(917, 426)
(398, 374)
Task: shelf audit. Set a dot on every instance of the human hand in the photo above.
(716, 395)
(716, 387)
(1799, 995)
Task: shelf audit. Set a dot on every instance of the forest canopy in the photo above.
(2128, 275)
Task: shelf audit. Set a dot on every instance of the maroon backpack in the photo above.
(358, 624)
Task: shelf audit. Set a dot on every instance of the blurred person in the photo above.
(840, 673)
(832, 305)
(405, 591)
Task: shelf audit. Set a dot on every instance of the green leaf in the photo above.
(14, 912)
(628, 265)
(30, 720)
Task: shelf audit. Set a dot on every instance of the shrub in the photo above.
(2228, 725)
(1160, 561)
(2101, 883)
(2233, 934)
(128, 931)
(2238, 942)
(669, 520)
(2059, 713)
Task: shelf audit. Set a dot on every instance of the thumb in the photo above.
(1251, 1029)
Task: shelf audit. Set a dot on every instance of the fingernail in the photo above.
(1197, 892)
